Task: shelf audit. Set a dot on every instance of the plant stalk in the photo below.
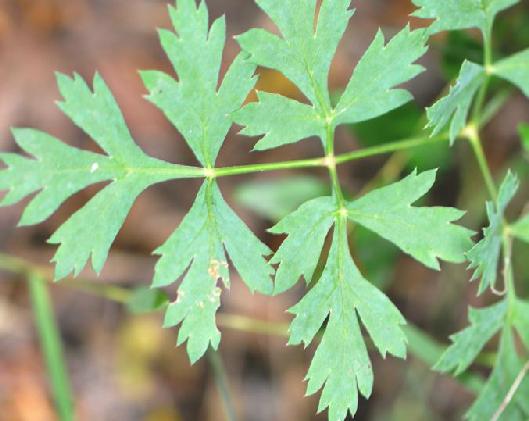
(487, 62)
(407, 143)
(473, 135)
(479, 153)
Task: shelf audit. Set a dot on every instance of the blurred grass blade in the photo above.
(219, 374)
(523, 131)
(274, 199)
(51, 346)
(426, 349)
(146, 300)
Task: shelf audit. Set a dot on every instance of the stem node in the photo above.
(330, 161)
(470, 132)
(210, 173)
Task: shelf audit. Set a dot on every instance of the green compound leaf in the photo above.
(58, 171)
(298, 257)
(454, 107)
(341, 365)
(304, 54)
(199, 248)
(515, 69)
(194, 106)
(425, 233)
(460, 14)
(467, 344)
(484, 256)
(506, 369)
(211, 232)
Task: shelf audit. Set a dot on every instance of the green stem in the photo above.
(330, 162)
(14, 264)
(388, 173)
(219, 373)
(109, 292)
(475, 142)
(407, 143)
(473, 135)
(23, 268)
(487, 62)
(51, 346)
(492, 107)
(487, 46)
(336, 187)
(480, 100)
(273, 166)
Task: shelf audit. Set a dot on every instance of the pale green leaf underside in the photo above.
(91, 230)
(371, 91)
(515, 69)
(341, 365)
(98, 115)
(298, 257)
(200, 112)
(454, 107)
(58, 171)
(194, 246)
(425, 233)
(300, 55)
(460, 14)
(467, 344)
(303, 53)
(484, 256)
(506, 368)
(272, 114)
(209, 233)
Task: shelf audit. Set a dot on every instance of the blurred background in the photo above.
(122, 364)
